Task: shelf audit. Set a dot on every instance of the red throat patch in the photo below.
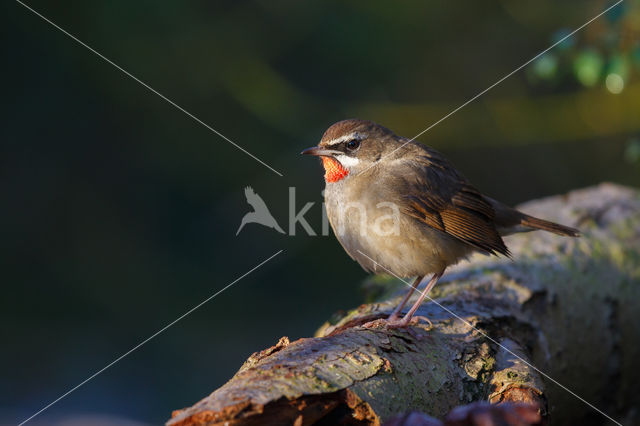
(333, 170)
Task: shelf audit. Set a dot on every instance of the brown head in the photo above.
(351, 146)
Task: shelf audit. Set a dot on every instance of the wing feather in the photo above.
(443, 199)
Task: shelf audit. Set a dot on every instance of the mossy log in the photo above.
(564, 311)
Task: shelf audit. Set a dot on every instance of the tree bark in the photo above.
(561, 317)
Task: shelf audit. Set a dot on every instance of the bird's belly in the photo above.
(385, 240)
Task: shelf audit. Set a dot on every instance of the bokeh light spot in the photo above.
(588, 67)
(614, 83)
(545, 67)
(632, 151)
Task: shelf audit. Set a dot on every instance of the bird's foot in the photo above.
(425, 319)
(394, 321)
(406, 322)
(394, 317)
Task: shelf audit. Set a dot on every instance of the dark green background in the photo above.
(118, 212)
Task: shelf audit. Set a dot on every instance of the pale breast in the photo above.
(379, 236)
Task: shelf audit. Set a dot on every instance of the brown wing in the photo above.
(443, 199)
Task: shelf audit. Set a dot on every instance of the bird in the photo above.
(397, 206)
(260, 213)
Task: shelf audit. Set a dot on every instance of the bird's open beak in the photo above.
(320, 152)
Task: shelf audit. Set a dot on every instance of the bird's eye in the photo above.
(353, 144)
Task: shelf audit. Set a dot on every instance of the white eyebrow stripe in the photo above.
(354, 135)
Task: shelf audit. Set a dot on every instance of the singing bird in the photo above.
(398, 206)
(260, 213)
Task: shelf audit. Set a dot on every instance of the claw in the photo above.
(420, 317)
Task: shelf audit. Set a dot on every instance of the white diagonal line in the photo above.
(497, 82)
(149, 338)
(150, 88)
(494, 341)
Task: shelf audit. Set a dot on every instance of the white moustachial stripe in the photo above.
(347, 161)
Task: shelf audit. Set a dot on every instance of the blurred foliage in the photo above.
(118, 212)
(608, 57)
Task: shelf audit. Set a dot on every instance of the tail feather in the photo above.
(545, 225)
(509, 221)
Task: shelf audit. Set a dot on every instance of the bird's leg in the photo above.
(407, 318)
(395, 315)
